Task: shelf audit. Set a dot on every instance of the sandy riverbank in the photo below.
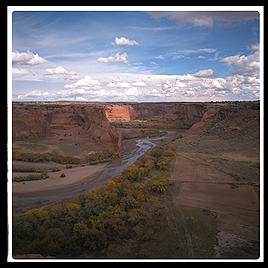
(74, 177)
(56, 184)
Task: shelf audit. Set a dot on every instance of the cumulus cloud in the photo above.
(125, 41)
(86, 83)
(80, 98)
(242, 82)
(26, 58)
(19, 71)
(59, 71)
(139, 84)
(206, 18)
(205, 73)
(244, 65)
(160, 57)
(127, 88)
(56, 70)
(133, 91)
(119, 84)
(254, 46)
(24, 74)
(34, 94)
(122, 58)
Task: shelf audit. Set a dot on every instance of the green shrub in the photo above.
(41, 176)
(159, 186)
(134, 173)
(101, 157)
(40, 157)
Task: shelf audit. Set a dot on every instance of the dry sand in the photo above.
(73, 177)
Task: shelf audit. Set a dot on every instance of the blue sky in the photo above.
(135, 56)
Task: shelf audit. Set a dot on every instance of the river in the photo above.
(111, 170)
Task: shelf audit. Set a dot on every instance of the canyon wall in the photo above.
(220, 118)
(161, 115)
(65, 120)
(229, 119)
(94, 120)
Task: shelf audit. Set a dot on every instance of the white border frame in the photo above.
(11, 9)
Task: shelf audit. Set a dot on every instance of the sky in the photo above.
(135, 56)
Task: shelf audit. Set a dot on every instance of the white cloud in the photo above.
(56, 70)
(116, 58)
(80, 99)
(185, 53)
(133, 91)
(119, 84)
(139, 84)
(201, 57)
(19, 71)
(26, 58)
(60, 71)
(24, 75)
(207, 50)
(85, 83)
(205, 73)
(160, 57)
(254, 46)
(242, 82)
(244, 65)
(153, 63)
(125, 41)
(34, 93)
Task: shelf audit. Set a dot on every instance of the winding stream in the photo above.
(111, 170)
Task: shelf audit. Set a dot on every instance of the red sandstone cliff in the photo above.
(162, 115)
(58, 120)
(91, 120)
(229, 120)
(200, 118)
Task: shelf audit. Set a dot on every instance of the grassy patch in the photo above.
(32, 177)
(27, 145)
(186, 232)
(19, 168)
(43, 157)
(101, 157)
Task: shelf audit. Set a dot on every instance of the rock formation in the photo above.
(228, 119)
(93, 120)
(65, 120)
(161, 115)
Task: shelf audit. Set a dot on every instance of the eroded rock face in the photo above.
(118, 112)
(92, 120)
(228, 120)
(162, 115)
(29, 122)
(70, 120)
(224, 119)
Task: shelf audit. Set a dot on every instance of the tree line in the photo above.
(99, 223)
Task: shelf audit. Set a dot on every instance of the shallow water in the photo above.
(111, 170)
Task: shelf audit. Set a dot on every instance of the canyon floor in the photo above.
(212, 203)
(215, 191)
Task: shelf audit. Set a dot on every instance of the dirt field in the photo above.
(70, 146)
(217, 179)
(56, 184)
